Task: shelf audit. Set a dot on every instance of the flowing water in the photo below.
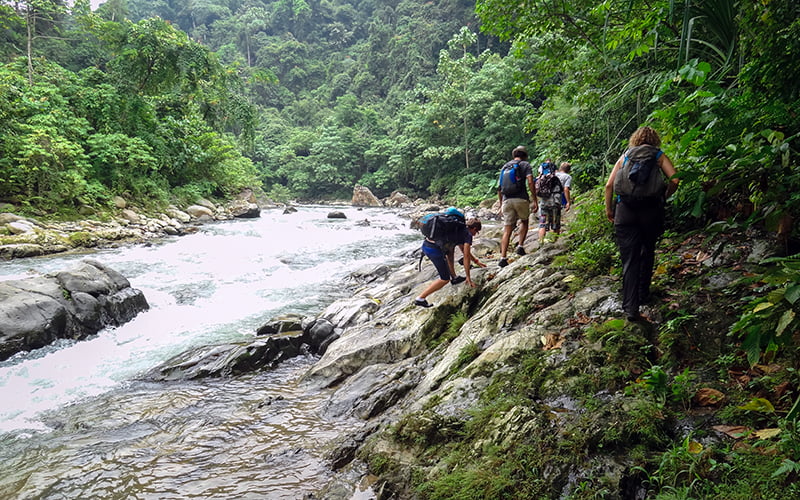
(76, 423)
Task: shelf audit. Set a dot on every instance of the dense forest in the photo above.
(175, 99)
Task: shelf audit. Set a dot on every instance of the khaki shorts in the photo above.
(515, 209)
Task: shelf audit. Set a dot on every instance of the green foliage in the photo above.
(593, 248)
(772, 316)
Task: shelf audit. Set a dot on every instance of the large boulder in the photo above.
(398, 199)
(200, 212)
(363, 197)
(68, 304)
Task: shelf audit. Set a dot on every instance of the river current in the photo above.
(76, 423)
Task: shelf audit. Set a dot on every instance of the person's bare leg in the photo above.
(436, 285)
(506, 239)
(523, 232)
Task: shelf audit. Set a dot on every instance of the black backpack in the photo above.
(640, 177)
(510, 182)
(548, 184)
(444, 229)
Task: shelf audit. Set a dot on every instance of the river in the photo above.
(76, 423)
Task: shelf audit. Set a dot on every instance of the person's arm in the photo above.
(534, 199)
(500, 196)
(466, 249)
(669, 170)
(609, 190)
(568, 197)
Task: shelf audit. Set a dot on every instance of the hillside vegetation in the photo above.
(171, 100)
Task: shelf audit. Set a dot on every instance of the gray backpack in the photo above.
(640, 177)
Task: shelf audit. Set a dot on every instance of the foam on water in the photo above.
(218, 285)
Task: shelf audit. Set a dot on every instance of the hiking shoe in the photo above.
(422, 303)
(503, 263)
(520, 250)
(457, 280)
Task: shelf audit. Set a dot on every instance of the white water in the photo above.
(215, 286)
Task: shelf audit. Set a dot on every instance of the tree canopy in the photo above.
(306, 98)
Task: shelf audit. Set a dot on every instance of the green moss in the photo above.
(465, 356)
(82, 239)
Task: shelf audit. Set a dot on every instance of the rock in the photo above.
(208, 204)
(282, 324)
(131, 216)
(6, 217)
(319, 334)
(69, 304)
(289, 210)
(119, 202)
(199, 212)
(20, 250)
(178, 214)
(19, 227)
(398, 199)
(336, 215)
(363, 197)
(244, 210)
(228, 359)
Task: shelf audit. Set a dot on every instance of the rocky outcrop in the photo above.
(69, 304)
(363, 197)
(278, 340)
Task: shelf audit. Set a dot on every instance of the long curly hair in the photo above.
(644, 135)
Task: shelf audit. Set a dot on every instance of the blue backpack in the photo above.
(510, 182)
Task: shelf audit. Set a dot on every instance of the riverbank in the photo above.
(533, 384)
(22, 236)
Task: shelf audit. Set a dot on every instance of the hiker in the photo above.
(546, 166)
(442, 255)
(566, 183)
(513, 195)
(549, 189)
(638, 179)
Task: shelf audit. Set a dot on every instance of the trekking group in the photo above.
(635, 198)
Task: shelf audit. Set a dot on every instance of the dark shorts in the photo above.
(437, 256)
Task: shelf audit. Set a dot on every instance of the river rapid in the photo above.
(76, 423)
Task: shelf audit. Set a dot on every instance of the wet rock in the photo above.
(282, 324)
(199, 212)
(228, 359)
(336, 215)
(289, 210)
(68, 304)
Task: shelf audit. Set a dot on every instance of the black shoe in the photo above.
(422, 303)
(503, 263)
(457, 280)
(520, 250)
